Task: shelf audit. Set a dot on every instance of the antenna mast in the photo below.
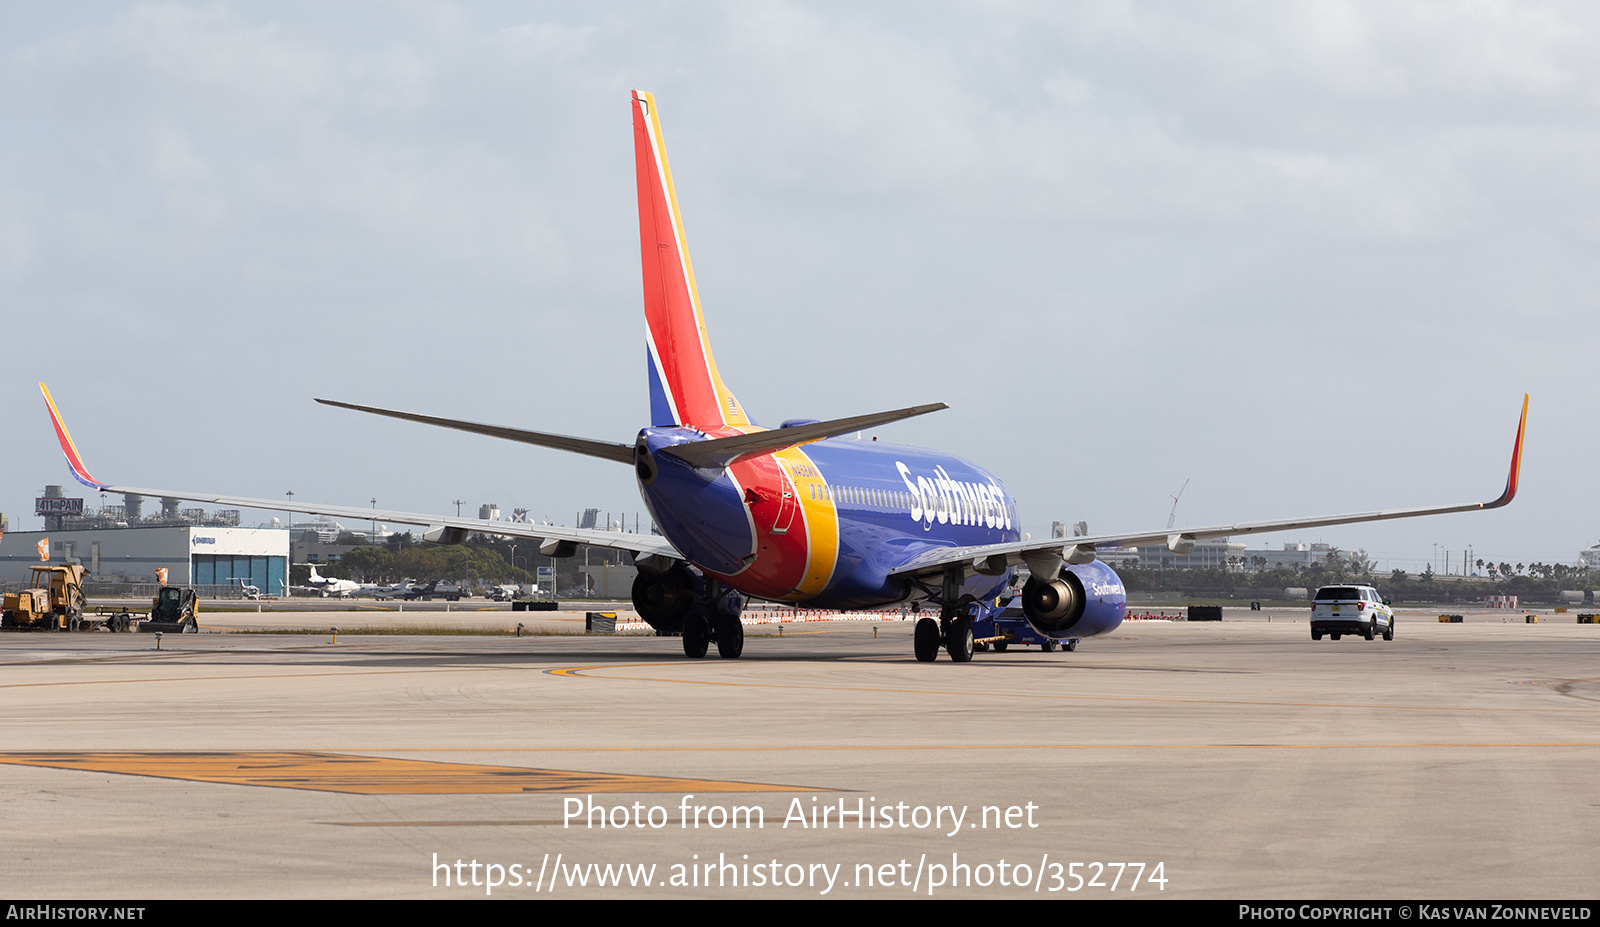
(1173, 516)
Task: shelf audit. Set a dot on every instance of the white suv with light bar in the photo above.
(1351, 608)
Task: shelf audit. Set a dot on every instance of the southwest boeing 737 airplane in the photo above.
(802, 513)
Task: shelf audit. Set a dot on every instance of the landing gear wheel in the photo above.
(1000, 646)
(1070, 645)
(730, 637)
(696, 637)
(926, 640)
(1048, 646)
(1371, 629)
(1388, 633)
(959, 644)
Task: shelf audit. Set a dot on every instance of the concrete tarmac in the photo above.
(1232, 760)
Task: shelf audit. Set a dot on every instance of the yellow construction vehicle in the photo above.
(52, 602)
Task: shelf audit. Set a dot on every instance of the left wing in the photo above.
(1044, 558)
(441, 528)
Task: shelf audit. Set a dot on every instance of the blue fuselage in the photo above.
(855, 510)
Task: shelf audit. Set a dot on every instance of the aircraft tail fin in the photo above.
(685, 388)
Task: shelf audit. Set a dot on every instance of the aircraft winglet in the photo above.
(74, 460)
(1516, 462)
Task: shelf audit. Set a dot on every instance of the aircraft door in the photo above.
(786, 500)
(786, 507)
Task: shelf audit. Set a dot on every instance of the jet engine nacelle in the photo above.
(663, 599)
(1084, 600)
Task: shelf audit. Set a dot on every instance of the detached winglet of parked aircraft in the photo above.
(79, 471)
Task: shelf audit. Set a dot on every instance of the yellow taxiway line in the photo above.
(368, 775)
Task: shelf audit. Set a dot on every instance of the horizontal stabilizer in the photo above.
(621, 453)
(716, 453)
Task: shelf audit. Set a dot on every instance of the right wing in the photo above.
(439, 527)
(1045, 557)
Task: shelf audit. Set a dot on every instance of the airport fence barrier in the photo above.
(109, 590)
(783, 614)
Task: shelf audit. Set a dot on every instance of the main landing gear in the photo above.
(699, 609)
(956, 638)
(721, 626)
(953, 630)
(965, 626)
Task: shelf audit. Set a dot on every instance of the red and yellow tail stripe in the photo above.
(680, 353)
(74, 460)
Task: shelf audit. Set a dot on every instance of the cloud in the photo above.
(1143, 208)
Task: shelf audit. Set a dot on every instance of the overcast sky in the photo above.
(1306, 256)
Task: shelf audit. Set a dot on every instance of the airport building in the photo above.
(192, 555)
(1212, 554)
(120, 544)
(125, 546)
